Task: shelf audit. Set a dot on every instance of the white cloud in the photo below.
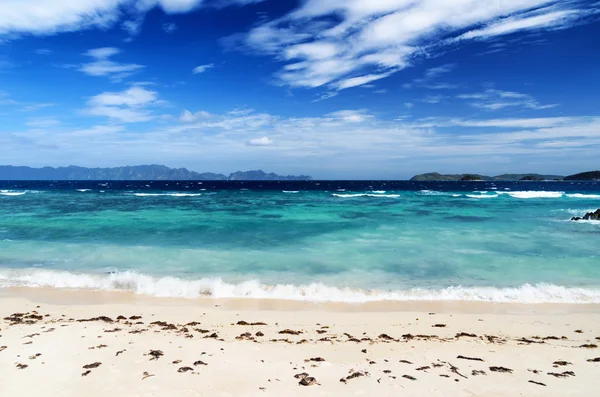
(409, 105)
(189, 117)
(45, 17)
(47, 122)
(129, 106)
(325, 95)
(351, 116)
(263, 141)
(103, 66)
(493, 99)
(36, 106)
(203, 68)
(348, 43)
(510, 25)
(43, 51)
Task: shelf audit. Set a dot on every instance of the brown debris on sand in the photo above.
(156, 354)
(146, 375)
(306, 380)
(565, 374)
(501, 369)
(465, 334)
(22, 366)
(537, 383)
(561, 363)
(594, 360)
(470, 358)
(409, 377)
(251, 324)
(289, 332)
(589, 346)
(100, 318)
(439, 326)
(92, 365)
(185, 369)
(477, 373)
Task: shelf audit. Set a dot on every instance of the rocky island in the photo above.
(437, 177)
(151, 172)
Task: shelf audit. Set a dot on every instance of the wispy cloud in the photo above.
(103, 66)
(189, 117)
(203, 68)
(263, 141)
(46, 17)
(493, 99)
(348, 43)
(46, 122)
(129, 106)
(169, 27)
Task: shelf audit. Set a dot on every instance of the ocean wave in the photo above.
(16, 192)
(584, 196)
(291, 191)
(479, 196)
(166, 194)
(83, 190)
(534, 194)
(316, 292)
(365, 195)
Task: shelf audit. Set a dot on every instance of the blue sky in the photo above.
(335, 89)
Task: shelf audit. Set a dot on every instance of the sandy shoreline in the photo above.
(197, 348)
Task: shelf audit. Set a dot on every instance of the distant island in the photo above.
(437, 177)
(135, 173)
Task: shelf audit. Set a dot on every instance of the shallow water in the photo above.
(336, 241)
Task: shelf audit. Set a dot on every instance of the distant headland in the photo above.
(437, 177)
(135, 173)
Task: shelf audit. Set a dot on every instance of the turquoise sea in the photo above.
(320, 241)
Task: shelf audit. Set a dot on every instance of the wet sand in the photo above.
(73, 343)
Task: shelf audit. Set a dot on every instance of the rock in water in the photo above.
(590, 216)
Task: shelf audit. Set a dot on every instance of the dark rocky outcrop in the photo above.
(584, 176)
(471, 178)
(435, 176)
(590, 216)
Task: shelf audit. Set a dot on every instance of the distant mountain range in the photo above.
(434, 176)
(135, 173)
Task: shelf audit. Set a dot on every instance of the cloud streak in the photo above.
(347, 43)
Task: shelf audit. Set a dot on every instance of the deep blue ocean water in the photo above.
(318, 240)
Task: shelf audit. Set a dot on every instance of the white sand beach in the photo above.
(73, 343)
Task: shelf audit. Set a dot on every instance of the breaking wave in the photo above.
(365, 195)
(166, 194)
(315, 292)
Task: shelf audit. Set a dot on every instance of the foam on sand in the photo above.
(316, 292)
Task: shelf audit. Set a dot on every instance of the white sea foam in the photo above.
(366, 195)
(534, 194)
(436, 193)
(316, 292)
(166, 194)
(379, 191)
(7, 193)
(291, 191)
(83, 190)
(16, 192)
(584, 196)
(480, 196)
